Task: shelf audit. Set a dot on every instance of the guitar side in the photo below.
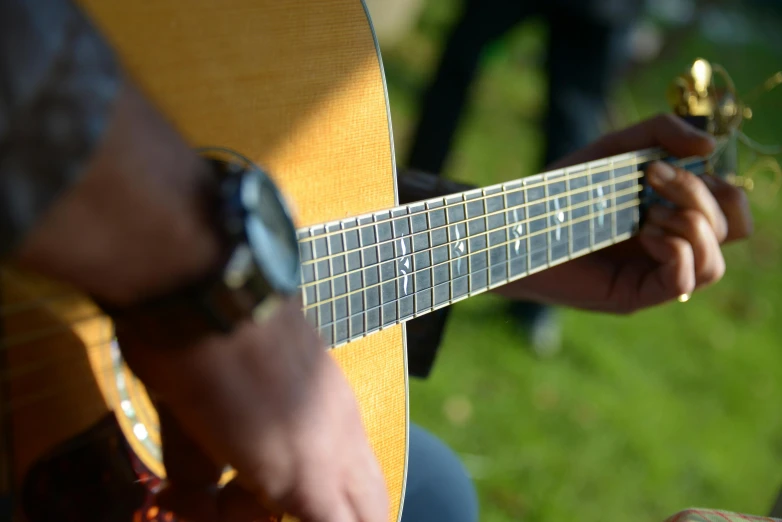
(298, 88)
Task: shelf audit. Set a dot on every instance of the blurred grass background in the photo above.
(639, 417)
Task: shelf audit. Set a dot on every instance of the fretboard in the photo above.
(366, 273)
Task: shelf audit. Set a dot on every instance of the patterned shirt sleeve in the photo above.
(58, 82)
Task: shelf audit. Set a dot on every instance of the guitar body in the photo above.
(298, 88)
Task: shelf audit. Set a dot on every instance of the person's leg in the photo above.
(481, 22)
(441, 110)
(584, 57)
(438, 488)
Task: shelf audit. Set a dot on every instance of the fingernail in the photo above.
(661, 173)
(653, 230)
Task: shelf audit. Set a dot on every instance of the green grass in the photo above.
(637, 417)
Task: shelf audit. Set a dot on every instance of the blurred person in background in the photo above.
(588, 44)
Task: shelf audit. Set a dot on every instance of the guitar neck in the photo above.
(366, 273)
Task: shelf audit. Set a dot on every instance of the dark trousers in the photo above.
(438, 488)
(585, 51)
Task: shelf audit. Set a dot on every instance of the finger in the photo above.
(191, 476)
(734, 204)
(236, 504)
(322, 503)
(186, 463)
(366, 492)
(674, 276)
(686, 191)
(345, 511)
(667, 131)
(692, 226)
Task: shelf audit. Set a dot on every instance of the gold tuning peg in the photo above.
(744, 182)
(701, 73)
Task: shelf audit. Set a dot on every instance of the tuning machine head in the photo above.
(695, 96)
(714, 108)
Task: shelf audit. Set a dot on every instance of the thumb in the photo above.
(667, 131)
(191, 476)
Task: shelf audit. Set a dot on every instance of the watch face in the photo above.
(271, 232)
(259, 227)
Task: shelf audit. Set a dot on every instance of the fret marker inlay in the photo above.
(460, 248)
(560, 219)
(518, 230)
(364, 274)
(405, 266)
(601, 205)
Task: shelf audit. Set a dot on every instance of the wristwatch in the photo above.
(260, 261)
(262, 251)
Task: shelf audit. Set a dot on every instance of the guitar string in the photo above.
(522, 237)
(106, 372)
(632, 204)
(35, 303)
(32, 399)
(18, 372)
(14, 404)
(547, 215)
(637, 174)
(652, 155)
(20, 307)
(35, 335)
(87, 382)
(609, 211)
(470, 291)
(525, 221)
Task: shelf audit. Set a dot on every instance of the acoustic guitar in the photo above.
(298, 87)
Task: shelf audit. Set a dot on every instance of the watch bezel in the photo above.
(247, 267)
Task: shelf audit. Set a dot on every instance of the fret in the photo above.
(516, 240)
(569, 222)
(309, 292)
(370, 274)
(364, 274)
(547, 210)
(417, 258)
(386, 267)
(590, 207)
(612, 177)
(497, 234)
(559, 214)
(405, 287)
(602, 220)
(581, 230)
(537, 240)
(440, 255)
(323, 290)
(626, 189)
(355, 283)
(338, 281)
(422, 258)
(458, 253)
(478, 258)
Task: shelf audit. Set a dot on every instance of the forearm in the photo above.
(96, 188)
(139, 220)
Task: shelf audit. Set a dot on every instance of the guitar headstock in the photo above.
(706, 96)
